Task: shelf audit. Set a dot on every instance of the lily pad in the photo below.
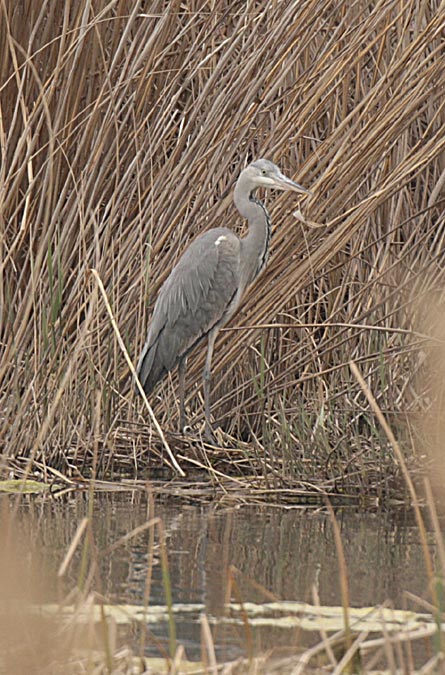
(23, 486)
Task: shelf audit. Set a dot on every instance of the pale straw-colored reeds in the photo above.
(123, 123)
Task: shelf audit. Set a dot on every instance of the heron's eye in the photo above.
(263, 171)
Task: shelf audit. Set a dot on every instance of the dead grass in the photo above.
(121, 125)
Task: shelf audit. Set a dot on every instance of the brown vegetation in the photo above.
(123, 123)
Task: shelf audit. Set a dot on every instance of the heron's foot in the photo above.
(190, 434)
(187, 431)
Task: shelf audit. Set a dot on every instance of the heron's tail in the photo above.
(150, 369)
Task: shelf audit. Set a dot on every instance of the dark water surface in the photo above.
(284, 552)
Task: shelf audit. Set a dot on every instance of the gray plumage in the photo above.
(205, 287)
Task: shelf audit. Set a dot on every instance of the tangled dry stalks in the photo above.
(122, 124)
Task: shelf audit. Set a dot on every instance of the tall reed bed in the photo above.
(123, 124)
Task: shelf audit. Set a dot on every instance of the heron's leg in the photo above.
(181, 386)
(206, 377)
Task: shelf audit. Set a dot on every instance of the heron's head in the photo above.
(263, 173)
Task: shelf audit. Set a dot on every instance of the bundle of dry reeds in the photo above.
(121, 125)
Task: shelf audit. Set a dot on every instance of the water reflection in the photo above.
(285, 553)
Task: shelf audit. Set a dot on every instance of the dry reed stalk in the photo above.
(119, 129)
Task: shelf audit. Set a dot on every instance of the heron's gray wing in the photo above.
(199, 294)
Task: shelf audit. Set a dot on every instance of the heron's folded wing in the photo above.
(198, 295)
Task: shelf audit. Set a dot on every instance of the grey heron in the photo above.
(205, 288)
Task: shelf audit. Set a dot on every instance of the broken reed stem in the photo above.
(401, 461)
(166, 581)
(343, 576)
(174, 463)
(208, 643)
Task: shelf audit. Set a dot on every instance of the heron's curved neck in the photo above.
(255, 245)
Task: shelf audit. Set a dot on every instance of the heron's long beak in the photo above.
(282, 182)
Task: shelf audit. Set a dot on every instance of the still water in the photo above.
(282, 554)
